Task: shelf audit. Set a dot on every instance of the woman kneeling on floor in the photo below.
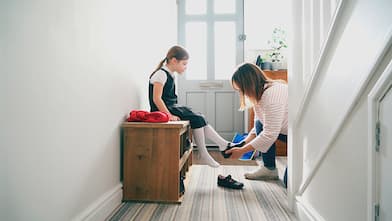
(270, 105)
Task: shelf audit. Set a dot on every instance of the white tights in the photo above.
(199, 135)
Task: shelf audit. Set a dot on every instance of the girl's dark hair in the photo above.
(250, 80)
(176, 52)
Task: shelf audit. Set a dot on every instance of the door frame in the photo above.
(381, 87)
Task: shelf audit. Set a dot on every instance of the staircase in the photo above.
(339, 49)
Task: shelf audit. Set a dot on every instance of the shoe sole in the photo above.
(262, 178)
(231, 187)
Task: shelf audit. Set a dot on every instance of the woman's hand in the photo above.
(174, 118)
(236, 152)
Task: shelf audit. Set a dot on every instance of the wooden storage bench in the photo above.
(154, 157)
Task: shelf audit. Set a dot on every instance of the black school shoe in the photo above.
(225, 155)
(229, 182)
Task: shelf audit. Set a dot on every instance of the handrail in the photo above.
(315, 73)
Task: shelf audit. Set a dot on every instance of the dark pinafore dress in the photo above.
(169, 97)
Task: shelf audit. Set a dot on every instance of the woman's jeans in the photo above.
(269, 157)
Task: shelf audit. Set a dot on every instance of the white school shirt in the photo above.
(160, 76)
(272, 111)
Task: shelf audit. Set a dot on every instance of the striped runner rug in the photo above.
(204, 200)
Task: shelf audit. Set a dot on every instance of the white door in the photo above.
(212, 32)
(384, 161)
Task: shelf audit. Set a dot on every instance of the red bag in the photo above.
(137, 115)
(145, 116)
(157, 117)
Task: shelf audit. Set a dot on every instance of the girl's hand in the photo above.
(174, 118)
(236, 152)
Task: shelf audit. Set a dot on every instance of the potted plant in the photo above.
(277, 43)
(263, 62)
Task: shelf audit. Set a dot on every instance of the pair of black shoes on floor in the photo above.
(229, 182)
(225, 155)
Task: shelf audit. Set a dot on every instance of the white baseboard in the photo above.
(305, 212)
(103, 207)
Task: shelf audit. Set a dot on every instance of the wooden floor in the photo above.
(281, 161)
(204, 200)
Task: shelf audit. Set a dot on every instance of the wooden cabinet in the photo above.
(281, 147)
(279, 74)
(154, 157)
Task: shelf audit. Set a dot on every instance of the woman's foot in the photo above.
(263, 173)
(229, 146)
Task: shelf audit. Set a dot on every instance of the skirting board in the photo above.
(305, 211)
(103, 207)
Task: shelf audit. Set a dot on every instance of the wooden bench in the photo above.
(154, 157)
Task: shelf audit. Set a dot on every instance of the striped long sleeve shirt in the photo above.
(272, 111)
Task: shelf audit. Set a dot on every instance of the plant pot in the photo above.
(266, 66)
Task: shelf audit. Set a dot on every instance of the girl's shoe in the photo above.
(229, 146)
(229, 182)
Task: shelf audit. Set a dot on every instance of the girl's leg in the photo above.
(197, 122)
(211, 134)
(198, 135)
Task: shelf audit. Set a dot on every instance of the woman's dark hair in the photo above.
(250, 80)
(176, 52)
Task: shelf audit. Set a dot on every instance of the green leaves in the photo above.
(277, 42)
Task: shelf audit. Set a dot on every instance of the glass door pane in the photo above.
(224, 6)
(225, 50)
(195, 7)
(196, 41)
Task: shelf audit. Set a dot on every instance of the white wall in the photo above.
(333, 128)
(260, 19)
(70, 73)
